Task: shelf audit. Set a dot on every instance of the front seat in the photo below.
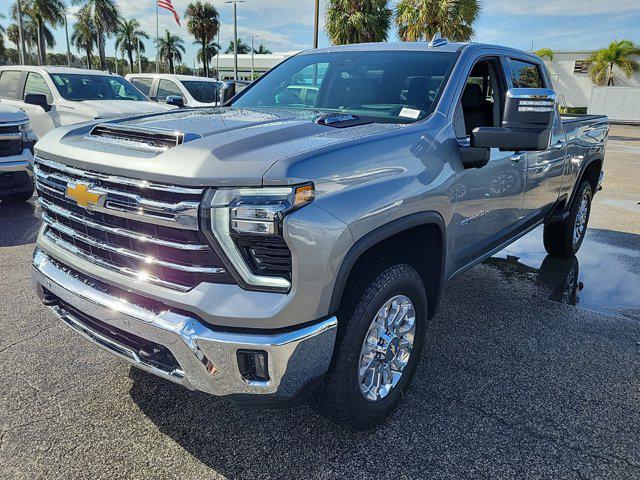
(477, 111)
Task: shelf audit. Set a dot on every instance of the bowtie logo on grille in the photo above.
(83, 196)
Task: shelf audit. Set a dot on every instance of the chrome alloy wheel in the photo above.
(386, 348)
(581, 219)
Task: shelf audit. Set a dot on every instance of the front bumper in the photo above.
(187, 351)
(16, 173)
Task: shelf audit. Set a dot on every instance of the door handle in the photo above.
(517, 157)
(559, 145)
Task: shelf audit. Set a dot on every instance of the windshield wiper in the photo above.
(340, 120)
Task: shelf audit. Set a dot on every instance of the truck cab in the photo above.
(282, 248)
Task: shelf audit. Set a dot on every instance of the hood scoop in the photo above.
(140, 138)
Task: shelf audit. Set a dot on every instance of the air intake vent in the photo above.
(141, 138)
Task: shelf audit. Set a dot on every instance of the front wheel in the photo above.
(563, 239)
(380, 339)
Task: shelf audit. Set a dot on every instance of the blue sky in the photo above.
(285, 25)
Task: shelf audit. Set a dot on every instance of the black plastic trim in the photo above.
(378, 235)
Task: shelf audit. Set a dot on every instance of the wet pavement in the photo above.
(531, 369)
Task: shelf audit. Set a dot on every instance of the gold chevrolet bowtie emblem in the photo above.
(82, 194)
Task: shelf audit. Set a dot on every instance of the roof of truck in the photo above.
(55, 69)
(450, 47)
(171, 76)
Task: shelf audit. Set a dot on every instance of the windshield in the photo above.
(203, 92)
(386, 86)
(78, 87)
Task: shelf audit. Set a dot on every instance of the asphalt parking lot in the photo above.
(516, 382)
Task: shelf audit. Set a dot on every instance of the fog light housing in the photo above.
(253, 365)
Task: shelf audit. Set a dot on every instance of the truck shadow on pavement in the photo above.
(513, 379)
(19, 223)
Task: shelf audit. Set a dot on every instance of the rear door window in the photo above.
(36, 84)
(525, 74)
(9, 84)
(143, 84)
(167, 88)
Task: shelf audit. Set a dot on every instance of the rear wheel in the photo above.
(563, 239)
(379, 343)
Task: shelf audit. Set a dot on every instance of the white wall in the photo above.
(574, 89)
(620, 104)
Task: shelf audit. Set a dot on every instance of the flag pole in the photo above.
(157, 41)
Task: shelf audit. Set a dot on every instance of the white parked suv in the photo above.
(57, 96)
(16, 155)
(195, 91)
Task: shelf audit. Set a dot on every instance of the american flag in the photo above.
(166, 4)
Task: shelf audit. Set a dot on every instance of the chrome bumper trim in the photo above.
(207, 358)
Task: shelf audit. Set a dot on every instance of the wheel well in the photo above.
(592, 174)
(421, 246)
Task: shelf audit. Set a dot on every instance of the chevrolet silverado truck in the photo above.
(16, 156)
(286, 246)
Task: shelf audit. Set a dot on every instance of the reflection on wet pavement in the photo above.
(604, 276)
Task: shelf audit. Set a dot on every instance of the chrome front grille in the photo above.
(144, 230)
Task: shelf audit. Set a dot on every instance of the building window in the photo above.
(581, 66)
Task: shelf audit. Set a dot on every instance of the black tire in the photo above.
(339, 396)
(17, 197)
(559, 236)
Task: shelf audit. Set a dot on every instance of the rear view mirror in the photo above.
(39, 99)
(175, 100)
(526, 123)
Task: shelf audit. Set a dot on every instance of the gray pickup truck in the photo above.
(294, 243)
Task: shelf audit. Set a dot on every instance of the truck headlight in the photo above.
(245, 222)
(28, 137)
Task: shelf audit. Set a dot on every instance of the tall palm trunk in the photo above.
(101, 51)
(130, 55)
(39, 41)
(171, 63)
(205, 65)
(88, 50)
(610, 81)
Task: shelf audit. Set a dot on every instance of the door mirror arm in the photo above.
(38, 99)
(473, 157)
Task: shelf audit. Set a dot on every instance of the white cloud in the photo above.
(558, 8)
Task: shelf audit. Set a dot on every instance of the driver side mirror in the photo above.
(526, 123)
(175, 100)
(39, 99)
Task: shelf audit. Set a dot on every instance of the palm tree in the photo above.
(41, 13)
(211, 50)
(13, 34)
(545, 53)
(243, 48)
(84, 36)
(262, 50)
(358, 21)
(127, 37)
(422, 19)
(203, 22)
(106, 18)
(171, 47)
(617, 54)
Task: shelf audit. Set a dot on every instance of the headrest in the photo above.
(362, 91)
(418, 92)
(472, 97)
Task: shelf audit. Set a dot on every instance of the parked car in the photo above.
(16, 155)
(272, 250)
(59, 96)
(162, 87)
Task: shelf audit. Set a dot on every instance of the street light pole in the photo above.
(315, 24)
(66, 32)
(139, 59)
(235, 36)
(21, 49)
(253, 63)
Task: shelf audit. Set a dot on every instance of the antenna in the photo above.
(437, 40)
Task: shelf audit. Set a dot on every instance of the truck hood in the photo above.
(226, 146)
(116, 108)
(11, 114)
